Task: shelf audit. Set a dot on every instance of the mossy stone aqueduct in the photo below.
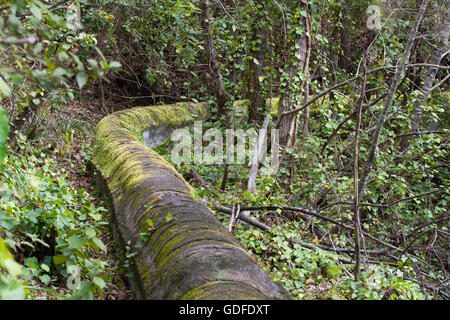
(191, 256)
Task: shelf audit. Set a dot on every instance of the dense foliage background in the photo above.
(359, 208)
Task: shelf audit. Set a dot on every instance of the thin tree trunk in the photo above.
(306, 116)
(212, 58)
(387, 105)
(257, 155)
(356, 200)
(345, 58)
(257, 101)
(427, 86)
(222, 98)
(287, 123)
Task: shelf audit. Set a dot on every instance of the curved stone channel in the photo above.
(191, 256)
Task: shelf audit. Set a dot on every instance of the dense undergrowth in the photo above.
(312, 272)
(131, 53)
(53, 229)
(53, 222)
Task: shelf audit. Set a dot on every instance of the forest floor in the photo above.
(86, 112)
(77, 120)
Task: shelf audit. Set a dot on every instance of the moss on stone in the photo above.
(224, 290)
(191, 249)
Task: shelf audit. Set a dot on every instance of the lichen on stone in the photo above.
(192, 249)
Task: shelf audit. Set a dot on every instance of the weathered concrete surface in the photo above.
(191, 256)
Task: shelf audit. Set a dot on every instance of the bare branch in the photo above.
(341, 84)
(244, 218)
(203, 182)
(395, 81)
(420, 133)
(335, 131)
(440, 83)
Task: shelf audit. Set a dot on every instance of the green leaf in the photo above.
(93, 63)
(95, 216)
(37, 48)
(45, 278)
(193, 193)
(75, 242)
(12, 267)
(4, 131)
(59, 72)
(36, 12)
(99, 282)
(11, 289)
(80, 65)
(59, 259)
(4, 88)
(82, 79)
(115, 65)
(99, 243)
(90, 232)
(45, 267)
(31, 262)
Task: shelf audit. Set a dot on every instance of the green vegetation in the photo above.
(359, 206)
(53, 229)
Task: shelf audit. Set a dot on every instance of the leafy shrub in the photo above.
(10, 287)
(53, 229)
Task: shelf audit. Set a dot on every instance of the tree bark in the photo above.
(257, 101)
(345, 58)
(356, 197)
(388, 103)
(211, 57)
(287, 123)
(306, 116)
(430, 75)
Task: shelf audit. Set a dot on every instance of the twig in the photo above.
(413, 197)
(388, 103)
(414, 232)
(341, 84)
(203, 182)
(315, 214)
(378, 205)
(335, 249)
(294, 209)
(335, 131)
(234, 216)
(356, 199)
(440, 83)
(419, 133)
(257, 155)
(265, 227)
(244, 218)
